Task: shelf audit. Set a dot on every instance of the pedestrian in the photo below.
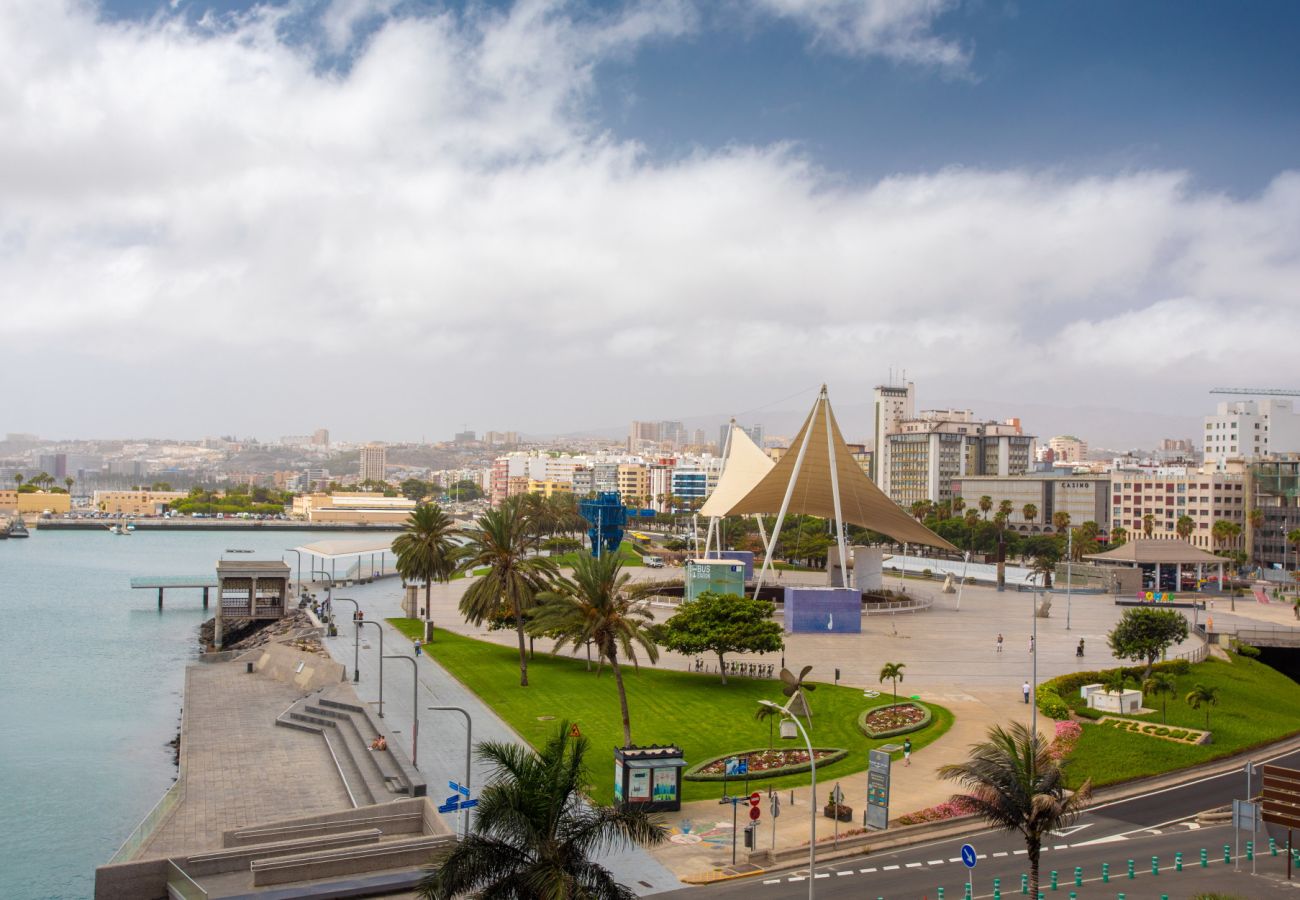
(1079, 650)
(417, 648)
(1026, 690)
(1031, 643)
(907, 751)
(999, 642)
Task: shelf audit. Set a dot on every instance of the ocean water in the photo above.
(91, 684)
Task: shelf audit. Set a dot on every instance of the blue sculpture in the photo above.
(607, 516)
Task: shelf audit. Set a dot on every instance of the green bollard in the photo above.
(997, 893)
(1227, 853)
(967, 892)
(1074, 896)
(1078, 877)
(1272, 847)
(940, 893)
(1155, 865)
(1205, 858)
(1053, 879)
(1250, 850)
(1024, 884)
(1178, 862)
(1105, 873)
(1131, 873)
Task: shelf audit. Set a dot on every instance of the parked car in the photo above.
(653, 562)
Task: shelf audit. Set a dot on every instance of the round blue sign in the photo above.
(968, 855)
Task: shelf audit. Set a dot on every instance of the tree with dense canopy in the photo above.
(536, 831)
(1142, 635)
(721, 624)
(427, 550)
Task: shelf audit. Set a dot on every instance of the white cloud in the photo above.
(446, 211)
(899, 30)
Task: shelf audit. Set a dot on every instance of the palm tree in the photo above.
(892, 672)
(1060, 520)
(1148, 524)
(1118, 536)
(1293, 537)
(1183, 527)
(919, 509)
(1029, 511)
(427, 551)
(1255, 518)
(18, 479)
(770, 714)
(536, 831)
(1004, 508)
(1164, 684)
(69, 482)
(1115, 682)
(503, 543)
(986, 504)
(596, 606)
(1013, 783)
(958, 504)
(1203, 695)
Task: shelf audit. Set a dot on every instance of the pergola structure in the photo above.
(323, 557)
(1147, 554)
(250, 589)
(818, 476)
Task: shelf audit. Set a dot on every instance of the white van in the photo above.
(653, 562)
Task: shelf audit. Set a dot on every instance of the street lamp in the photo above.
(812, 801)
(469, 743)
(356, 639)
(415, 700)
(298, 553)
(361, 622)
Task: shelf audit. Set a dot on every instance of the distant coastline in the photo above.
(207, 525)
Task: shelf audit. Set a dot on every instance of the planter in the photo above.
(838, 811)
(764, 764)
(893, 719)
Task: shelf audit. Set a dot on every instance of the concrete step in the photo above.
(418, 851)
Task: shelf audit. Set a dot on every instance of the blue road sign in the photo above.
(452, 804)
(469, 804)
(968, 855)
(460, 789)
(458, 802)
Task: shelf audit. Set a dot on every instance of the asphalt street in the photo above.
(1160, 824)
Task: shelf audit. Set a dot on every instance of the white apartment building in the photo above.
(374, 461)
(893, 405)
(1168, 494)
(1066, 448)
(1248, 429)
(928, 452)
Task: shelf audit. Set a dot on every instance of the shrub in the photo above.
(1085, 712)
(1248, 651)
(1067, 686)
(1067, 736)
(950, 809)
(926, 573)
(1050, 702)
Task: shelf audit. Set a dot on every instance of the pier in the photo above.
(162, 582)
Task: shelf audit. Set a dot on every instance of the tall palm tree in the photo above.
(1293, 537)
(1183, 527)
(958, 504)
(1148, 524)
(596, 606)
(892, 671)
(504, 544)
(1060, 520)
(1029, 511)
(427, 551)
(1255, 518)
(18, 479)
(1118, 536)
(1013, 783)
(919, 509)
(1004, 508)
(1203, 695)
(536, 831)
(1165, 685)
(985, 505)
(69, 482)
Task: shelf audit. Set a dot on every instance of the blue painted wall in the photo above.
(823, 610)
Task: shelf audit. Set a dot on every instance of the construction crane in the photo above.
(1259, 392)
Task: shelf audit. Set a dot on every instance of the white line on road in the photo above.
(1061, 847)
(842, 874)
(797, 878)
(954, 859)
(982, 856)
(823, 875)
(867, 871)
(772, 881)
(1021, 852)
(1000, 854)
(889, 868)
(935, 862)
(914, 865)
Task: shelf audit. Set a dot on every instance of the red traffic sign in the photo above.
(755, 798)
(755, 812)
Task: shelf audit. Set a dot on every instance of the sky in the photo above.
(396, 219)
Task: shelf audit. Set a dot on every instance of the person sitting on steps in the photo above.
(379, 743)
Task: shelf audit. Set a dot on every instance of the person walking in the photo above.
(999, 642)
(1026, 690)
(1031, 643)
(1079, 650)
(907, 751)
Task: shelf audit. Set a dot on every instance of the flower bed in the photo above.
(887, 721)
(1178, 735)
(950, 809)
(764, 763)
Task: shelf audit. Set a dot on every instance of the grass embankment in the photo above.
(626, 553)
(1257, 705)
(697, 712)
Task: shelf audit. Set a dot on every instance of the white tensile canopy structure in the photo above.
(819, 477)
(743, 467)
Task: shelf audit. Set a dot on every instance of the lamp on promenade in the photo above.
(415, 700)
(361, 622)
(298, 553)
(356, 638)
(469, 747)
(812, 801)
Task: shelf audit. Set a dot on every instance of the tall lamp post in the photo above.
(812, 801)
(356, 638)
(469, 749)
(298, 553)
(415, 701)
(361, 622)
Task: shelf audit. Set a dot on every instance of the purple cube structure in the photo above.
(745, 556)
(819, 610)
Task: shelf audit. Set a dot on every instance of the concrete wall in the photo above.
(281, 663)
(868, 570)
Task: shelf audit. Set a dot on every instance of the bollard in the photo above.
(1131, 873)
(1024, 884)
(1178, 862)
(997, 893)
(1074, 896)
(966, 892)
(1205, 858)
(1250, 850)
(940, 893)
(1155, 865)
(1227, 853)
(1272, 846)
(1078, 877)
(1105, 873)
(1053, 879)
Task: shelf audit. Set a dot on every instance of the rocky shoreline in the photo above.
(295, 629)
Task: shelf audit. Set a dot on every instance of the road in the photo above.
(1158, 824)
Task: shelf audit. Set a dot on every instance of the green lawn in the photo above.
(1257, 705)
(630, 557)
(706, 718)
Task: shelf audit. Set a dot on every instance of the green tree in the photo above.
(1148, 524)
(1293, 537)
(1115, 681)
(1060, 520)
(1013, 783)
(1183, 527)
(892, 671)
(18, 480)
(1143, 635)
(1164, 685)
(1029, 511)
(1118, 536)
(958, 504)
(1224, 532)
(595, 606)
(986, 505)
(536, 830)
(503, 544)
(768, 714)
(1203, 695)
(722, 624)
(427, 551)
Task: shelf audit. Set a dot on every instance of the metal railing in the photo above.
(179, 884)
(136, 839)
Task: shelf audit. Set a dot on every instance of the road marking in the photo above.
(1021, 852)
(867, 871)
(982, 856)
(823, 875)
(1061, 847)
(797, 878)
(935, 862)
(1191, 825)
(1154, 831)
(842, 874)
(914, 865)
(889, 868)
(1114, 838)
(954, 859)
(1000, 854)
(1066, 832)
(772, 881)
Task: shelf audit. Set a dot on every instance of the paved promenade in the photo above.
(950, 656)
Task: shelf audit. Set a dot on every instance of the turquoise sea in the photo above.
(91, 676)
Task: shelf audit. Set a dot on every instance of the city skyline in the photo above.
(219, 213)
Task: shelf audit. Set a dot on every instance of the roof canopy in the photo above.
(1144, 550)
(808, 464)
(744, 466)
(339, 548)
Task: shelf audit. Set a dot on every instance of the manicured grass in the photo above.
(630, 557)
(706, 718)
(1257, 705)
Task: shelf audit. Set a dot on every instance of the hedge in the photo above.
(891, 732)
(693, 773)
(1063, 690)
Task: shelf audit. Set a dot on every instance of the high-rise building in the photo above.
(321, 437)
(642, 433)
(1273, 486)
(893, 405)
(465, 437)
(1249, 429)
(374, 462)
(55, 464)
(1067, 448)
(926, 453)
(755, 432)
(1166, 495)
